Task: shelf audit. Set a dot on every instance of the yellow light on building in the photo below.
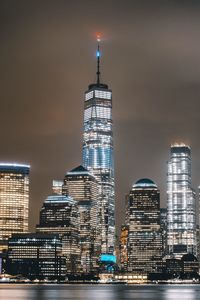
(14, 200)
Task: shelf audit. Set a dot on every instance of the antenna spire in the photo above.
(98, 54)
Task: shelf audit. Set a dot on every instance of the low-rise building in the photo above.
(36, 256)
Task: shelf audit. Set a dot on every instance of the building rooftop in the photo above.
(144, 183)
(14, 167)
(59, 199)
(98, 86)
(31, 235)
(179, 145)
(189, 257)
(79, 169)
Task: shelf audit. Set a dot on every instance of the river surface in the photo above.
(98, 292)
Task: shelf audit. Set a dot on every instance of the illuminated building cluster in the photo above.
(73, 213)
(76, 231)
(162, 243)
(84, 188)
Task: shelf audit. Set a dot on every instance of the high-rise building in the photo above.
(36, 256)
(124, 248)
(181, 204)
(144, 237)
(163, 228)
(59, 215)
(84, 188)
(98, 152)
(14, 200)
(198, 226)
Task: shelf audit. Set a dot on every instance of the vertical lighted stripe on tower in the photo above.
(98, 152)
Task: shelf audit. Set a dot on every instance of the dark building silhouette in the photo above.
(185, 268)
(190, 266)
(36, 256)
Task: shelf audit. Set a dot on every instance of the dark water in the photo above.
(98, 292)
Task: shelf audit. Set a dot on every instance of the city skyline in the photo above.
(153, 91)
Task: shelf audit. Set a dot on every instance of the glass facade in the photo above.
(144, 236)
(59, 215)
(98, 154)
(14, 200)
(84, 189)
(181, 203)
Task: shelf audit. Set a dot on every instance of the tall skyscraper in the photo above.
(14, 200)
(98, 152)
(181, 204)
(84, 188)
(144, 236)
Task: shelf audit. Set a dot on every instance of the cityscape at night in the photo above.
(76, 237)
(100, 151)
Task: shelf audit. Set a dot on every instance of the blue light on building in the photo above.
(108, 258)
(98, 54)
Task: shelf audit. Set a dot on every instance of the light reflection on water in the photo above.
(184, 294)
(92, 292)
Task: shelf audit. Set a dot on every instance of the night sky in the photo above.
(150, 60)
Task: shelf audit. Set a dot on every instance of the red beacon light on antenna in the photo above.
(98, 38)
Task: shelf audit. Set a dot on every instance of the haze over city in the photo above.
(150, 60)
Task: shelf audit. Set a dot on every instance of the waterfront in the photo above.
(104, 292)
